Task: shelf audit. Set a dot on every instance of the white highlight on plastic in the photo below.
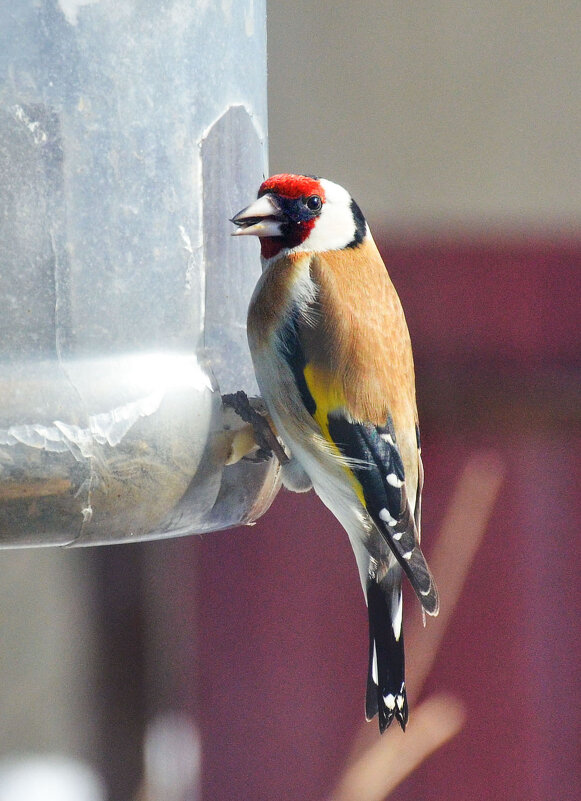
(194, 255)
(70, 8)
(160, 370)
(249, 19)
(38, 134)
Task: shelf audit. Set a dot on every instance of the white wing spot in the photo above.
(394, 480)
(388, 438)
(397, 535)
(408, 555)
(389, 700)
(387, 518)
(399, 702)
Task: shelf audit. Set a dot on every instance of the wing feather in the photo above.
(376, 464)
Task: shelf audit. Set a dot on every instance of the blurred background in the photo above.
(456, 126)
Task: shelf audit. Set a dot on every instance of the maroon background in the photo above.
(268, 624)
(280, 614)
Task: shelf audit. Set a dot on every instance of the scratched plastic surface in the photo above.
(129, 134)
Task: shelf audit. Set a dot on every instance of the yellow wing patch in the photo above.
(329, 397)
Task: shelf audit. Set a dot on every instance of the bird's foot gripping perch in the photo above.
(256, 415)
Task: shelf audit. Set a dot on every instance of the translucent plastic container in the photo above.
(129, 133)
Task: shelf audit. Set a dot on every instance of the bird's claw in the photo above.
(265, 437)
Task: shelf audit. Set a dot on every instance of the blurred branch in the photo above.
(458, 540)
(386, 763)
(377, 765)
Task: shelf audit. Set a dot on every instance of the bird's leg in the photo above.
(264, 435)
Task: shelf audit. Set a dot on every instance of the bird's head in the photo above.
(302, 213)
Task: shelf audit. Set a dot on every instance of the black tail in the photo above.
(386, 692)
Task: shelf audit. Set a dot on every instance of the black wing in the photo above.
(377, 465)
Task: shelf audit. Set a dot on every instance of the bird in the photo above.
(334, 365)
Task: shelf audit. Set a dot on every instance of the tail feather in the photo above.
(386, 692)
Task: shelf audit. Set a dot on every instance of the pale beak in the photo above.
(262, 218)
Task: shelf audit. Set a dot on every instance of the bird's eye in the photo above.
(314, 203)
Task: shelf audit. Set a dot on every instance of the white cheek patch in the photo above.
(335, 226)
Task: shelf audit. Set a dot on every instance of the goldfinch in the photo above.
(334, 365)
